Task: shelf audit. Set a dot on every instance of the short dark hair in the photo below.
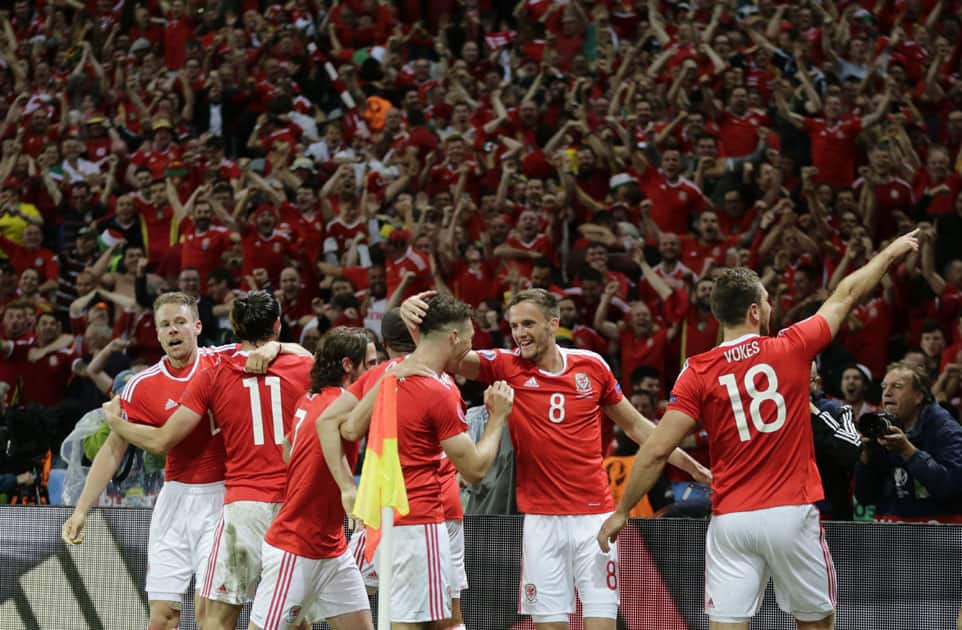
(253, 314)
(443, 310)
(395, 333)
(931, 326)
(333, 347)
(642, 372)
(221, 275)
(736, 289)
(592, 274)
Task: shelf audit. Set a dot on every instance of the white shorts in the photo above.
(786, 543)
(560, 554)
(421, 588)
(234, 565)
(182, 528)
(456, 535)
(293, 588)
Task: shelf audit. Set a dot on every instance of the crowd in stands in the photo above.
(348, 154)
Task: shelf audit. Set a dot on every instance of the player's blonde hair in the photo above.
(179, 298)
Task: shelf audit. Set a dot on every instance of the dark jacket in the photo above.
(836, 451)
(926, 487)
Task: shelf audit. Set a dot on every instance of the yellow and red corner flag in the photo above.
(382, 482)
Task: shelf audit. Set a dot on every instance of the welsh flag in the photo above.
(382, 482)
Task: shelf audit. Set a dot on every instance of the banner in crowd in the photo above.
(892, 576)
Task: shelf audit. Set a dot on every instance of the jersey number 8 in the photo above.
(556, 408)
(758, 396)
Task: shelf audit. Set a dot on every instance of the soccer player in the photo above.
(562, 486)
(431, 422)
(186, 511)
(307, 571)
(254, 414)
(752, 394)
(346, 419)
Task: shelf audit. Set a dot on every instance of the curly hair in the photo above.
(336, 345)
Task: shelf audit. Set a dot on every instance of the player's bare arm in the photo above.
(639, 429)
(260, 359)
(328, 426)
(102, 470)
(647, 467)
(473, 460)
(412, 312)
(153, 439)
(858, 284)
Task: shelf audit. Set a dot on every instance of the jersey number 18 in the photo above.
(758, 396)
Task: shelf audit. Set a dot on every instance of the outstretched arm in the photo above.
(855, 286)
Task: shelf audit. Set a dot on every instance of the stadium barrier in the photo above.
(890, 576)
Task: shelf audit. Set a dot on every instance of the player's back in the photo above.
(254, 413)
(152, 396)
(311, 521)
(752, 395)
(429, 412)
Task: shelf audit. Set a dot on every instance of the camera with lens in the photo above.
(875, 425)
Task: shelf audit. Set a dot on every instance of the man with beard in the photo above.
(764, 479)
(640, 340)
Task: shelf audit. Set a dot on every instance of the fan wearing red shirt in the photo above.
(431, 428)
(709, 246)
(404, 268)
(253, 413)
(158, 154)
(50, 373)
(562, 486)
(526, 245)
(640, 342)
(834, 151)
(674, 199)
(202, 244)
(752, 395)
(263, 246)
(32, 255)
(307, 570)
(738, 125)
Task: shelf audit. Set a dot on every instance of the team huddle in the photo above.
(262, 441)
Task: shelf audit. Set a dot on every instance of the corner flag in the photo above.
(382, 482)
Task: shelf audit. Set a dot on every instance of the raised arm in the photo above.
(853, 289)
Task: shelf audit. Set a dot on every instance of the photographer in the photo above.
(910, 467)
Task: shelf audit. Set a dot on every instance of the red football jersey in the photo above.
(310, 524)
(254, 414)
(429, 412)
(451, 499)
(555, 428)
(751, 395)
(151, 396)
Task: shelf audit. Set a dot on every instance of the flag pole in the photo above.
(385, 568)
